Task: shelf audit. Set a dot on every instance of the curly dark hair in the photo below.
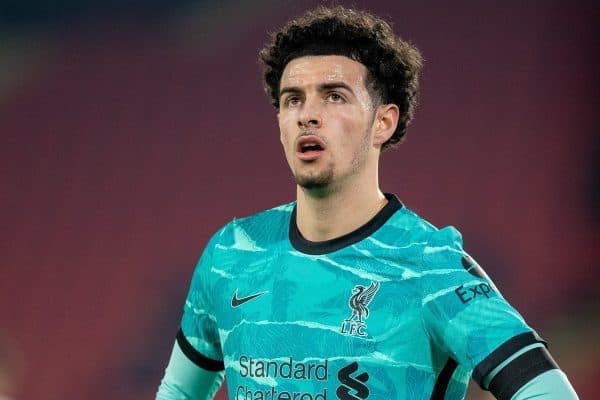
(393, 65)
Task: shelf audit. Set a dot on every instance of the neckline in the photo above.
(329, 246)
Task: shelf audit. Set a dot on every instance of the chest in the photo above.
(338, 305)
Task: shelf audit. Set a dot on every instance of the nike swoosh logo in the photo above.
(237, 301)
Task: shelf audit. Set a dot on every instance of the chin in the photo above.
(313, 185)
(314, 182)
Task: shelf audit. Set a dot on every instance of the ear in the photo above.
(386, 121)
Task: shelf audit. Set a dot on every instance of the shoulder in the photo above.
(408, 225)
(255, 231)
(243, 241)
(428, 248)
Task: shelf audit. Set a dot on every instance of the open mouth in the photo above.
(309, 143)
(310, 147)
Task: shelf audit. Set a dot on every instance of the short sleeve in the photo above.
(464, 312)
(199, 335)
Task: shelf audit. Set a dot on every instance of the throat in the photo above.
(327, 218)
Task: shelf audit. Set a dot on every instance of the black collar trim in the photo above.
(329, 246)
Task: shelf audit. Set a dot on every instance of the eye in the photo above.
(335, 97)
(292, 100)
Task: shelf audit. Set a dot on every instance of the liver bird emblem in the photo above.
(359, 301)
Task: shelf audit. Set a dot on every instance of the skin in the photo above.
(324, 99)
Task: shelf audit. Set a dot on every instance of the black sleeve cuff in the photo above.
(520, 371)
(196, 357)
(503, 352)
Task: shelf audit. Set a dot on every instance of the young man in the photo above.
(345, 293)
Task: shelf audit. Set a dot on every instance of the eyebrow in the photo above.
(322, 87)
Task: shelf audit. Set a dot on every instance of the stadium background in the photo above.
(128, 134)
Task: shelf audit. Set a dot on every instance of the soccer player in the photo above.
(345, 293)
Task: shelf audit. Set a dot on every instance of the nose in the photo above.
(310, 115)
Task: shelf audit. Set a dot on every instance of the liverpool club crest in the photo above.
(359, 304)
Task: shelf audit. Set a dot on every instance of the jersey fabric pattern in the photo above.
(394, 310)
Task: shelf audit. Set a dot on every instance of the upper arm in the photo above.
(196, 368)
(199, 323)
(468, 318)
(463, 311)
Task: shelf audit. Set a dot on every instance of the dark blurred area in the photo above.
(131, 131)
(30, 14)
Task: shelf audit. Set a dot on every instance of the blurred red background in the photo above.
(127, 138)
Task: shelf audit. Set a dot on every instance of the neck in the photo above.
(325, 217)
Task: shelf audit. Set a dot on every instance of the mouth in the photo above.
(309, 147)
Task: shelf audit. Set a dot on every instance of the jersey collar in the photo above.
(329, 246)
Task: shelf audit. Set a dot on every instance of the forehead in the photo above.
(307, 70)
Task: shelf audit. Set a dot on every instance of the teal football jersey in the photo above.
(394, 310)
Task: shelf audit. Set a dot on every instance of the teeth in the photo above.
(310, 146)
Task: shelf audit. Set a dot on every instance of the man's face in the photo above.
(326, 120)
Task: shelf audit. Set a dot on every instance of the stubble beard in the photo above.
(318, 180)
(322, 182)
